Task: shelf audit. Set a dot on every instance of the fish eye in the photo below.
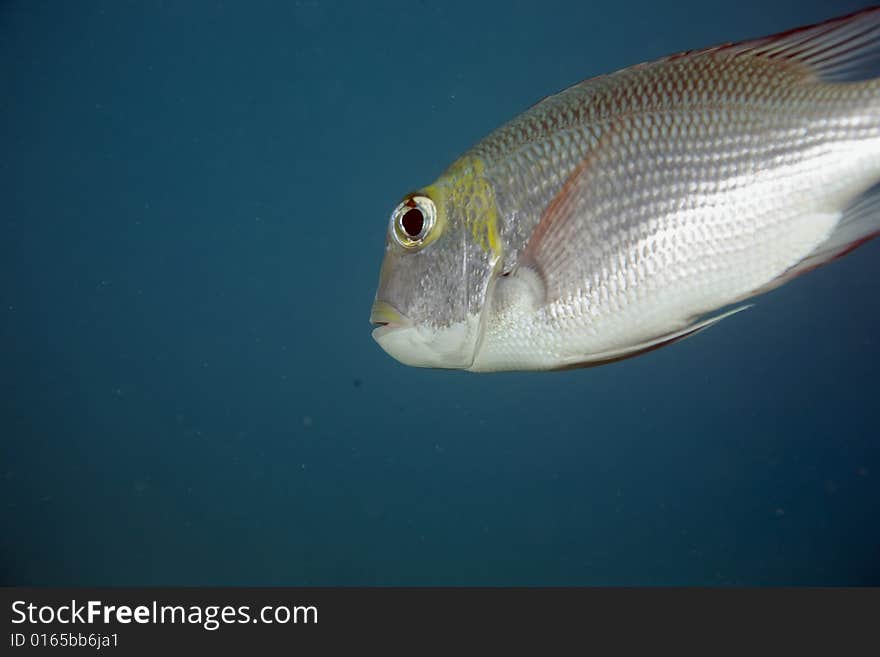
(412, 220)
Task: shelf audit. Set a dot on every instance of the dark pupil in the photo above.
(412, 222)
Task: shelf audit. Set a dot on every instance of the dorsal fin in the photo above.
(840, 49)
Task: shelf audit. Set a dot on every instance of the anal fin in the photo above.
(623, 353)
(858, 224)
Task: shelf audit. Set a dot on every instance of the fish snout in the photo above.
(387, 318)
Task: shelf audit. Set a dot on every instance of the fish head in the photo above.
(441, 251)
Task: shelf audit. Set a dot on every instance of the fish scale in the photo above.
(746, 211)
(686, 277)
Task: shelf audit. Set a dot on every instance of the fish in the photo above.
(634, 209)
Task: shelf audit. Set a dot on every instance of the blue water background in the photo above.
(194, 199)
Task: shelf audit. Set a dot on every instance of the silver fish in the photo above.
(634, 209)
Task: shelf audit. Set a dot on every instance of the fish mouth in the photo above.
(387, 318)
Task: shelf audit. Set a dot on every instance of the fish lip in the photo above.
(387, 318)
(384, 329)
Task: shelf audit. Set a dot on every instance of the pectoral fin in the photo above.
(568, 239)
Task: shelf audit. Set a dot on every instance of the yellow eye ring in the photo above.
(412, 221)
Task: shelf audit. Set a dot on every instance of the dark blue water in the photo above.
(194, 200)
